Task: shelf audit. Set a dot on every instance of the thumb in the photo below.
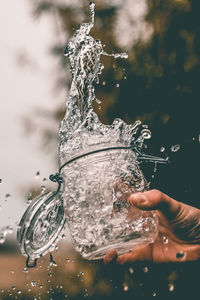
(156, 200)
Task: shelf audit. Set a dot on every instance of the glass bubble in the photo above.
(175, 148)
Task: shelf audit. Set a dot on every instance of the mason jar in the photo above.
(96, 189)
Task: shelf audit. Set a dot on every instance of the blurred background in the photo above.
(158, 84)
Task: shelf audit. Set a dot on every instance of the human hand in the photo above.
(178, 237)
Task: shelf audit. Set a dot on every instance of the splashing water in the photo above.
(81, 128)
(96, 188)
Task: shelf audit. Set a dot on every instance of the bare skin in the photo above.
(178, 237)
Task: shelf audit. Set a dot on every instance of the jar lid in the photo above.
(41, 225)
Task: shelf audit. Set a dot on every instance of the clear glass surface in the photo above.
(95, 199)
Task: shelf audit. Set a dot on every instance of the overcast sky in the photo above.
(21, 90)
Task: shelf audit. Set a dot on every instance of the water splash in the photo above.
(81, 128)
(96, 226)
(93, 224)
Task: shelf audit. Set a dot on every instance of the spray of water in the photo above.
(81, 129)
(96, 187)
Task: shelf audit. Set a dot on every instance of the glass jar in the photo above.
(95, 198)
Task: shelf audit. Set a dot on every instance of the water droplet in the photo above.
(146, 133)
(44, 179)
(89, 48)
(41, 286)
(0, 180)
(37, 174)
(165, 239)
(8, 230)
(146, 269)
(131, 271)
(154, 294)
(19, 292)
(43, 188)
(145, 126)
(85, 295)
(29, 198)
(13, 287)
(7, 195)
(117, 85)
(12, 272)
(121, 55)
(2, 238)
(25, 270)
(82, 273)
(175, 148)
(67, 260)
(181, 255)
(51, 261)
(33, 283)
(162, 149)
(125, 287)
(171, 287)
(104, 83)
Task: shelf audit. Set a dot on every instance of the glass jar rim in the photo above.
(139, 156)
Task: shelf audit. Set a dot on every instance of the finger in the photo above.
(156, 200)
(110, 256)
(141, 253)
